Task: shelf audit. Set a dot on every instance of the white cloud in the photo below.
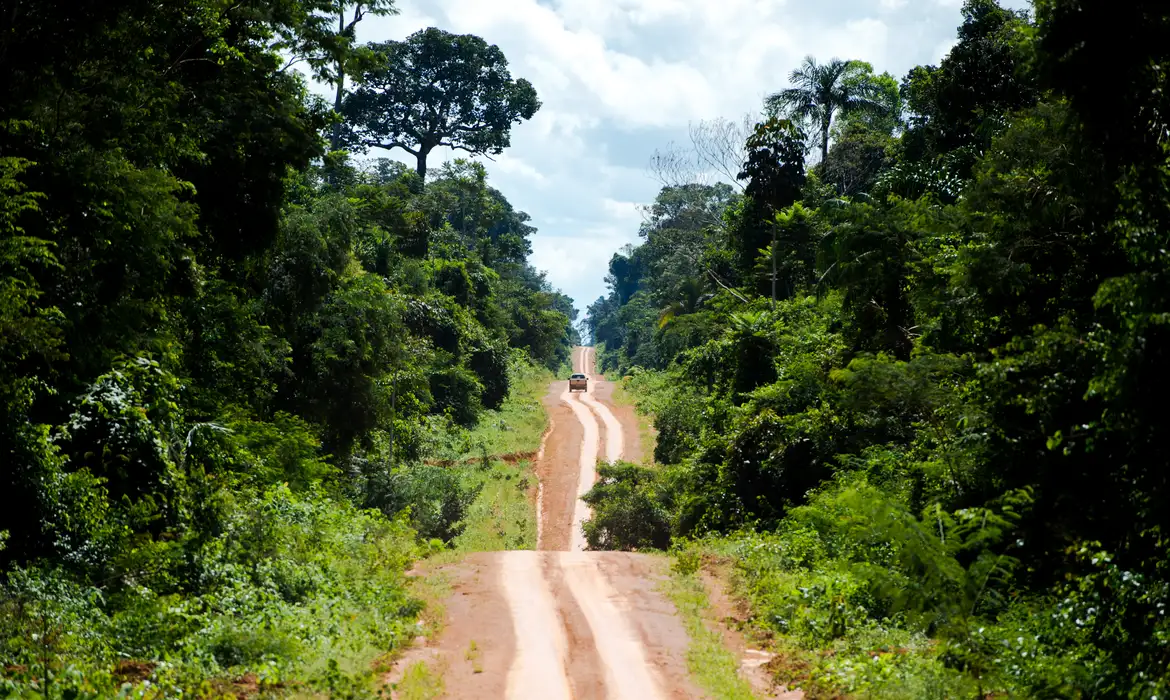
(508, 163)
(944, 48)
(621, 78)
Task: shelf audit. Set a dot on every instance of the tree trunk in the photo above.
(825, 138)
(335, 133)
(773, 265)
(421, 168)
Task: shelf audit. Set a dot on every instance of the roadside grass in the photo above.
(499, 465)
(647, 435)
(714, 668)
(420, 682)
(503, 515)
(516, 427)
(432, 588)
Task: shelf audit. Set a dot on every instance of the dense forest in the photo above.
(230, 345)
(912, 389)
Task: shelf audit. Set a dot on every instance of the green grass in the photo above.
(503, 515)
(712, 665)
(517, 426)
(421, 682)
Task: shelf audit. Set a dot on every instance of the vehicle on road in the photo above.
(578, 381)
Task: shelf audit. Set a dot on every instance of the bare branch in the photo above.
(719, 146)
(292, 61)
(715, 154)
(675, 166)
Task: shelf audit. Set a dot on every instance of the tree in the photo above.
(822, 91)
(333, 55)
(775, 173)
(438, 89)
(964, 101)
(716, 153)
(858, 156)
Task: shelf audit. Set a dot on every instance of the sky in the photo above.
(620, 79)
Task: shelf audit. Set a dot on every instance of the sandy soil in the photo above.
(558, 470)
(563, 623)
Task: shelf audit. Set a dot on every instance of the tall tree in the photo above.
(344, 54)
(438, 89)
(964, 101)
(324, 38)
(822, 91)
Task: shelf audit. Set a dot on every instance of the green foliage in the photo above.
(216, 345)
(630, 509)
(969, 319)
(435, 497)
(289, 580)
(821, 92)
(437, 89)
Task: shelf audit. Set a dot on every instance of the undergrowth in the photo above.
(288, 589)
(297, 591)
(864, 589)
(711, 664)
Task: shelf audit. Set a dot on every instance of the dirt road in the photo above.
(562, 623)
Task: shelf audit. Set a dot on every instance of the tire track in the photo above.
(586, 466)
(588, 415)
(614, 437)
(627, 670)
(538, 664)
(581, 629)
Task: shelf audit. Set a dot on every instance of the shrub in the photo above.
(292, 579)
(435, 497)
(630, 509)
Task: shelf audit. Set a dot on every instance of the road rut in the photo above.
(583, 625)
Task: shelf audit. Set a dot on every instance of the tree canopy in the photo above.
(437, 89)
(947, 423)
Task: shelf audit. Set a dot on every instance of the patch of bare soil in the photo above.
(557, 469)
(475, 650)
(637, 577)
(509, 457)
(731, 616)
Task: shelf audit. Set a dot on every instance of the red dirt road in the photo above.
(562, 623)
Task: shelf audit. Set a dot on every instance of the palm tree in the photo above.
(821, 91)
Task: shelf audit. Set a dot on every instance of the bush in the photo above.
(457, 393)
(630, 509)
(435, 497)
(293, 579)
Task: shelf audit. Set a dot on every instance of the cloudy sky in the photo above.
(621, 78)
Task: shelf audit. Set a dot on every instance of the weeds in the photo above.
(713, 667)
